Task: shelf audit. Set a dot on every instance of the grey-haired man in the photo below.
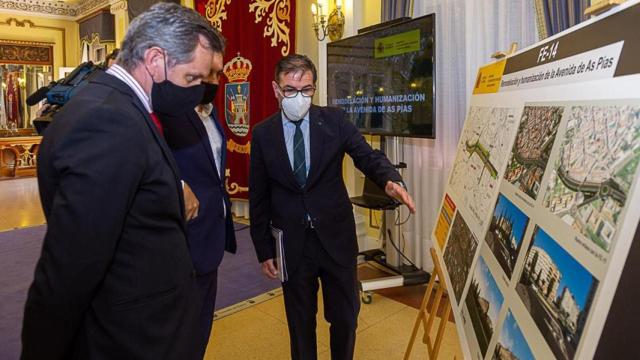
(115, 279)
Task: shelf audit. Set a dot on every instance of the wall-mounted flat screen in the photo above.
(383, 79)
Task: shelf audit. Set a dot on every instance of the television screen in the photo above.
(383, 79)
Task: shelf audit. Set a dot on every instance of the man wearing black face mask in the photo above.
(198, 145)
(115, 278)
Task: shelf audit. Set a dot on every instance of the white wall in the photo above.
(467, 32)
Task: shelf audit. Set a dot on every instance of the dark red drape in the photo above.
(258, 33)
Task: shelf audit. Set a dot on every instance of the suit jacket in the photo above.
(114, 280)
(211, 232)
(275, 196)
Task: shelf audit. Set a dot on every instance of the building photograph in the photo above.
(558, 292)
(483, 302)
(506, 232)
(512, 344)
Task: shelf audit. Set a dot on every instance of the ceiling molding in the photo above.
(40, 7)
(53, 9)
(87, 7)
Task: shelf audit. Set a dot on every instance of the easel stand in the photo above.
(428, 312)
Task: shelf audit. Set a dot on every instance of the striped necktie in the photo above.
(299, 163)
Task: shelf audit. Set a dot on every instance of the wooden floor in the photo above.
(384, 327)
(260, 331)
(20, 204)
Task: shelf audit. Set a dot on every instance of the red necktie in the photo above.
(156, 121)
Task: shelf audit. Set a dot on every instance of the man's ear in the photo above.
(276, 90)
(154, 62)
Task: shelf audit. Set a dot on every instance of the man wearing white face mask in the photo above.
(295, 185)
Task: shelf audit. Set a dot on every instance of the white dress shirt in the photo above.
(122, 74)
(289, 129)
(215, 139)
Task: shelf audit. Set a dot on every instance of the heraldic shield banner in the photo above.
(259, 33)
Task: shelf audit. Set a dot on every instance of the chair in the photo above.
(428, 312)
(8, 161)
(373, 197)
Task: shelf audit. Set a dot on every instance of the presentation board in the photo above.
(541, 206)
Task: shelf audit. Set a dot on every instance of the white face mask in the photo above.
(297, 107)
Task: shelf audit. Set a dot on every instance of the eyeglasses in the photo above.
(290, 92)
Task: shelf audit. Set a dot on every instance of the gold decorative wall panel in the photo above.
(26, 53)
(30, 24)
(215, 12)
(277, 14)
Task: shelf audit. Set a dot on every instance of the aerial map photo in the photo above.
(532, 147)
(595, 170)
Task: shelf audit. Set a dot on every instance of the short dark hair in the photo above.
(113, 55)
(293, 63)
(172, 27)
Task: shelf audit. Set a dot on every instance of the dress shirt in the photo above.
(289, 130)
(215, 139)
(122, 74)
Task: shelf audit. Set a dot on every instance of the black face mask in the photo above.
(210, 91)
(171, 99)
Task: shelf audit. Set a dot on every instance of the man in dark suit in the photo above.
(115, 279)
(198, 145)
(296, 185)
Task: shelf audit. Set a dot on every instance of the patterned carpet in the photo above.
(239, 279)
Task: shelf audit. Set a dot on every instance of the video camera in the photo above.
(59, 92)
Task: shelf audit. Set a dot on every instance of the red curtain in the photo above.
(258, 33)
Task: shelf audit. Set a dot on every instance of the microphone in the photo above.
(39, 94)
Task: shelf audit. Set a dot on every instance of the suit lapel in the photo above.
(201, 129)
(281, 148)
(165, 150)
(119, 85)
(317, 135)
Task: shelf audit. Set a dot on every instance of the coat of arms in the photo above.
(236, 95)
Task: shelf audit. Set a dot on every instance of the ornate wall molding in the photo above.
(118, 5)
(56, 9)
(42, 7)
(26, 52)
(87, 7)
(31, 25)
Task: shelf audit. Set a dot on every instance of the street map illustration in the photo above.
(483, 150)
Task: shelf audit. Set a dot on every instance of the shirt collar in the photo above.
(288, 122)
(205, 111)
(122, 74)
